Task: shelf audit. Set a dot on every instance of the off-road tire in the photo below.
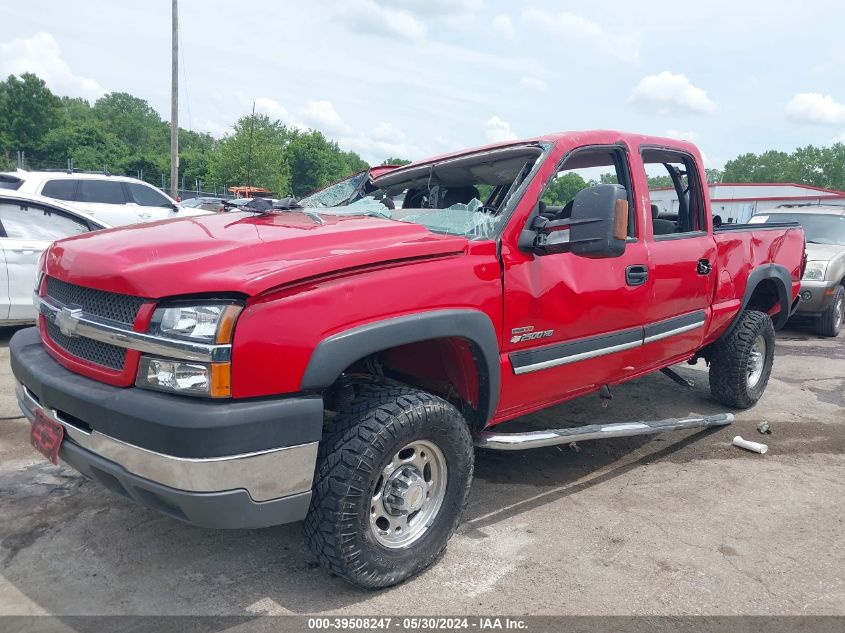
(729, 361)
(356, 446)
(830, 322)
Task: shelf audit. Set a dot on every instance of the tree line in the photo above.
(121, 133)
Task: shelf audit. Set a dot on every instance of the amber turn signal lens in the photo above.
(221, 380)
(226, 326)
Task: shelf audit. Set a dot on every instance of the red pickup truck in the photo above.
(336, 361)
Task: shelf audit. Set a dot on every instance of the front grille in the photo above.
(107, 305)
(88, 349)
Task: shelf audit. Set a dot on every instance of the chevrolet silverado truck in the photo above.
(336, 363)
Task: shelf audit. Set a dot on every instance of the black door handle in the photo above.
(704, 267)
(636, 275)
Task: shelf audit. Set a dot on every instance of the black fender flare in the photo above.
(783, 282)
(337, 352)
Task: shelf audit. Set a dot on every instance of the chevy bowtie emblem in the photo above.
(67, 320)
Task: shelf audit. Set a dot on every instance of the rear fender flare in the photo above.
(337, 352)
(783, 282)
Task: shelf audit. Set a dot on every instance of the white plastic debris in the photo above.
(764, 428)
(750, 446)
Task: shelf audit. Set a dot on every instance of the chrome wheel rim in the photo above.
(408, 495)
(756, 361)
(838, 313)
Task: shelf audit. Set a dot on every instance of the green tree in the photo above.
(87, 143)
(132, 120)
(265, 165)
(28, 111)
(564, 189)
(395, 161)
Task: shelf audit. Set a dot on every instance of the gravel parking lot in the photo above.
(681, 523)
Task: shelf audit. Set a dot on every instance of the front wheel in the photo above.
(830, 322)
(741, 361)
(393, 477)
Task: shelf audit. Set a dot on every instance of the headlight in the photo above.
(203, 323)
(815, 271)
(191, 379)
(212, 323)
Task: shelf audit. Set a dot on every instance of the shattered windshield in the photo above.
(461, 196)
(335, 194)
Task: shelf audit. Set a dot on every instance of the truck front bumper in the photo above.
(235, 464)
(816, 297)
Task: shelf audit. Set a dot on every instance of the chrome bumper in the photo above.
(265, 475)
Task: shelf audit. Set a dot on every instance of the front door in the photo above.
(572, 324)
(26, 230)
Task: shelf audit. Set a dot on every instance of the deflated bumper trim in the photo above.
(264, 475)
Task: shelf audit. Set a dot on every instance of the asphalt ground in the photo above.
(675, 524)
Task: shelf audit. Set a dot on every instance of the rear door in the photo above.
(573, 323)
(106, 200)
(682, 253)
(26, 230)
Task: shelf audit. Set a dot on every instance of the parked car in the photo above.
(823, 285)
(28, 224)
(202, 202)
(115, 200)
(336, 363)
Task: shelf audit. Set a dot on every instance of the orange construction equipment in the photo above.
(250, 192)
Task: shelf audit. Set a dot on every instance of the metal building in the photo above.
(737, 202)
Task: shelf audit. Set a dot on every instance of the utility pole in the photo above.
(174, 104)
(249, 154)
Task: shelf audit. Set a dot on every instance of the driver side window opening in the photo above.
(581, 170)
(686, 216)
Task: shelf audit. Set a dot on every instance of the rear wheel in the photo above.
(741, 361)
(392, 481)
(830, 322)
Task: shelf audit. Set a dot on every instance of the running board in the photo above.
(552, 437)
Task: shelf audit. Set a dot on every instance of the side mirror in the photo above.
(598, 226)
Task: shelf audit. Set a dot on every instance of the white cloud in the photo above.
(532, 83)
(621, 45)
(41, 54)
(668, 93)
(385, 141)
(437, 7)
(689, 135)
(814, 107)
(270, 107)
(321, 115)
(499, 130)
(368, 16)
(503, 25)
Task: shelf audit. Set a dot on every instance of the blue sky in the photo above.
(412, 78)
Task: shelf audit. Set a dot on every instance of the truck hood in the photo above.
(236, 252)
(823, 252)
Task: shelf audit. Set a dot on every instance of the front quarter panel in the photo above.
(278, 332)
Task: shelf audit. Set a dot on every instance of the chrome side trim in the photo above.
(565, 360)
(680, 330)
(553, 437)
(115, 333)
(684, 322)
(265, 475)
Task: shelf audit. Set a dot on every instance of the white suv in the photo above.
(115, 200)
